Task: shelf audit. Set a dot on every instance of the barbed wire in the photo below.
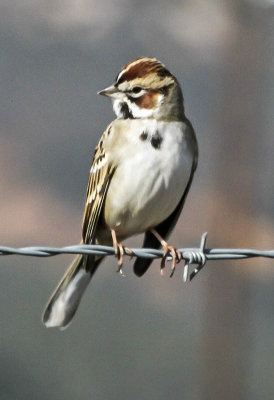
(191, 256)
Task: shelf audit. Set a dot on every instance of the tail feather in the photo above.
(66, 298)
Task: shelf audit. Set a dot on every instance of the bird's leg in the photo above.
(175, 254)
(119, 251)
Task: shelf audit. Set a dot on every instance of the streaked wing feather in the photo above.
(100, 175)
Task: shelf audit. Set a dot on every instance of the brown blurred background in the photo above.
(154, 337)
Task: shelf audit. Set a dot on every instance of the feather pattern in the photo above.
(141, 172)
(100, 175)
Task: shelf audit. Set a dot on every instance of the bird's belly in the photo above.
(146, 190)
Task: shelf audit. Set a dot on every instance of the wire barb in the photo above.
(191, 256)
(195, 257)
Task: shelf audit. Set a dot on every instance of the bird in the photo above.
(141, 173)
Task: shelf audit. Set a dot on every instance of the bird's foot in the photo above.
(168, 250)
(120, 251)
(175, 254)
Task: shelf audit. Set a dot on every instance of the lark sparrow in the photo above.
(139, 179)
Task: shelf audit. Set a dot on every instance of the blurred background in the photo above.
(154, 337)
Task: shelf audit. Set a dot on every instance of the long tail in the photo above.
(66, 298)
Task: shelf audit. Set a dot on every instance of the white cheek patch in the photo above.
(138, 112)
(135, 110)
(117, 108)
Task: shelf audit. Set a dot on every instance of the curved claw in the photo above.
(175, 254)
(119, 254)
(120, 251)
(176, 257)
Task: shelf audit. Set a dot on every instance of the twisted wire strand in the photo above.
(191, 256)
(211, 254)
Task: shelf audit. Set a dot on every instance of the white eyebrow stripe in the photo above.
(144, 59)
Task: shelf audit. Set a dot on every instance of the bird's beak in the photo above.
(110, 91)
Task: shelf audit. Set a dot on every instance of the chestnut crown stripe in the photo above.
(143, 67)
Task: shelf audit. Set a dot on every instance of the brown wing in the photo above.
(101, 173)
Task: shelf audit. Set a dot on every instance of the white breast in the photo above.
(149, 181)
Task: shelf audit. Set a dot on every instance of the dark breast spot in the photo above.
(156, 140)
(143, 136)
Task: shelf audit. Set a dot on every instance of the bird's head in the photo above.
(144, 88)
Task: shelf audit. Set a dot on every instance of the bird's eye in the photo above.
(136, 89)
